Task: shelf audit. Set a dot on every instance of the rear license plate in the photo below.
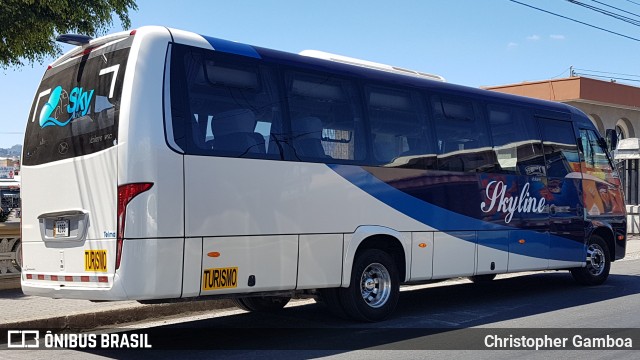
(95, 260)
(61, 228)
(220, 278)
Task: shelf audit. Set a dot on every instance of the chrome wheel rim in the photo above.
(375, 285)
(596, 260)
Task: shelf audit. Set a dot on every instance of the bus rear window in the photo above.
(75, 110)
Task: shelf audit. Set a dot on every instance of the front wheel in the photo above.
(598, 264)
(374, 290)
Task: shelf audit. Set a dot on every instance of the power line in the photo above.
(613, 7)
(607, 12)
(606, 77)
(607, 72)
(574, 20)
(633, 2)
(562, 73)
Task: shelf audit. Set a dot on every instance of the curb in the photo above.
(85, 321)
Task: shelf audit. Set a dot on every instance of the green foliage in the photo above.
(28, 28)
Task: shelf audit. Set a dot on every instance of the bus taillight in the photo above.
(126, 193)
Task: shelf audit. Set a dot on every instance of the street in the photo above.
(435, 317)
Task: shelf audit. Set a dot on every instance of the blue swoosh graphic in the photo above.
(449, 221)
(49, 108)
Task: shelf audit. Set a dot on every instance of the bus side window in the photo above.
(462, 136)
(560, 147)
(516, 142)
(233, 105)
(326, 120)
(398, 129)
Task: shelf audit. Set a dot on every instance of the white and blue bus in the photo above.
(161, 164)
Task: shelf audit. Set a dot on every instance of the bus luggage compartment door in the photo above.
(245, 264)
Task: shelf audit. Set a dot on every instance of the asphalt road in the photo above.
(427, 323)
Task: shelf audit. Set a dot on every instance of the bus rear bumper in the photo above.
(114, 292)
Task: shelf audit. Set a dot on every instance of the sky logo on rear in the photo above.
(63, 105)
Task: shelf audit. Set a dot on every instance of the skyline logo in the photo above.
(60, 105)
(496, 193)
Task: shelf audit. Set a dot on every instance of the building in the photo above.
(610, 105)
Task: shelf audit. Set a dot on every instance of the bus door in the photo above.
(563, 192)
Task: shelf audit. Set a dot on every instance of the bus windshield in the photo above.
(75, 110)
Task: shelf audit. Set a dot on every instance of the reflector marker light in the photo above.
(68, 278)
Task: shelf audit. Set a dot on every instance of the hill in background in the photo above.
(15, 150)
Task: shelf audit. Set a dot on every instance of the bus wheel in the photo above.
(374, 290)
(482, 279)
(331, 298)
(598, 264)
(262, 303)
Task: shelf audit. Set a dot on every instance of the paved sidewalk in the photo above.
(21, 311)
(29, 312)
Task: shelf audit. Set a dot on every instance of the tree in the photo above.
(28, 28)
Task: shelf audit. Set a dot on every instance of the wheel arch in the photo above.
(395, 243)
(607, 234)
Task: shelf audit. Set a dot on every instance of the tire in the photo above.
(262, 303)
(374, 289)
(239, 303)
(598, 263)
(482, 279)
(331, 298)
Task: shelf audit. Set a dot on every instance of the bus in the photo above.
(160, 164)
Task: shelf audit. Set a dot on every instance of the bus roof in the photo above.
(319, 61)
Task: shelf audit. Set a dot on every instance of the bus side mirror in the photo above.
(612, 139)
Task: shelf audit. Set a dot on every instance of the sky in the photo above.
(469, 42)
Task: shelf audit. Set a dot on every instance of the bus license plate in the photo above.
(220, 278)
(61, 228)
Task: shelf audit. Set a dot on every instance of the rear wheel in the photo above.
(331, 298)
(481, 279)
(262, 303)
(374, 290)
(598, 264)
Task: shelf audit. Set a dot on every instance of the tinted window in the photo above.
(516, 142)
(230, 107)
(560, 149)
(77, 106)
(595, 156)
(326, 121)
(600, 183)
(463, 143)
(398, 130)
